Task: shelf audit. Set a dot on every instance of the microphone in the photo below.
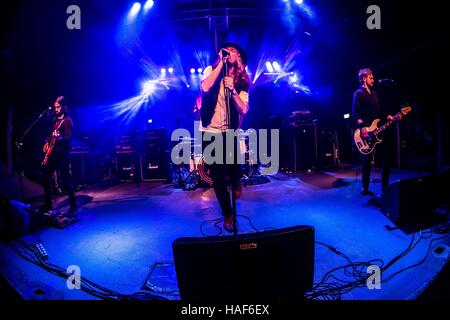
(225, 53)
(48, 111)
(385, 80)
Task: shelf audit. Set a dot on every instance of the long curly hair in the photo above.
(240, 76)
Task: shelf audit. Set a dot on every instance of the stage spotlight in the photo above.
(199, 70)
(269, 67)
(299, 2)
(163, 71)
(347, 116)
(134, 9)
(276, 66)
(293, 78)
(192, 70)
(170, 70)
(148, 5)
(148, 87)
(150, 120)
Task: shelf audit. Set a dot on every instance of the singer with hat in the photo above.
(224, 103)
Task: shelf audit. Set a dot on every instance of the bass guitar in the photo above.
(366, 146)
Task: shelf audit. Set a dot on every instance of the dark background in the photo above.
(104, 63)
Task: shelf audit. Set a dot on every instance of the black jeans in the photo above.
(221, 171)
(384, 153)
(58, 162)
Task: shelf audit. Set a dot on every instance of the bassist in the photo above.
(57, 154)
(365, 109)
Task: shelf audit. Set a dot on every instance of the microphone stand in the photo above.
(233, 196)
(227, 93)
(19, 144)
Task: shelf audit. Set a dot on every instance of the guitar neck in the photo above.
(387, 124)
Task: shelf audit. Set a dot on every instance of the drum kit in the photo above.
(198, 173)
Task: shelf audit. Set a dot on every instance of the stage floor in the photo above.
(127, 229)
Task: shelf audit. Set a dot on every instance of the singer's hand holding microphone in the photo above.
(223, 55)
(228, 83)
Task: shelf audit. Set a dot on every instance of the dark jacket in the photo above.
(209, 101)
(365, 106)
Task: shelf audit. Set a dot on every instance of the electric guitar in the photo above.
(366, 146)
(51, 145)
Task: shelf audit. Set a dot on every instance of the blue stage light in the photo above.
(148, 87)
(199, 70)
(276, 66)
(299, 2)
(192, 70)
(148, 5)
(269, 66)
(293, 78)
(134, 9)
(170, 70)
(163, 71)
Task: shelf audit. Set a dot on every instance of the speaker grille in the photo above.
(275, 265)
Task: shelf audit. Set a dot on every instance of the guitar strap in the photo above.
(59, 126)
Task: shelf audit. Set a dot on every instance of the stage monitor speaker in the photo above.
(411, 203)
(275, 265)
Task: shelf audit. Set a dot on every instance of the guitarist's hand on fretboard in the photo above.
(399, 116)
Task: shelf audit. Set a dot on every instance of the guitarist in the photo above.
(365, 109)
(58, 156)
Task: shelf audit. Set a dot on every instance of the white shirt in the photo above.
(219, 119)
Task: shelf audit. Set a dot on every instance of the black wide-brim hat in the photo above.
(238, 48)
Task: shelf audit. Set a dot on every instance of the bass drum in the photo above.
(204, 170)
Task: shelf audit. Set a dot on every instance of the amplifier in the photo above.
(153, 166)
(303, 147)
(79, 147)
(154, 140)
(326, 146)
(124, 149)
(125, 166)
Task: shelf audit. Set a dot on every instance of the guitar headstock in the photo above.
(405, 110)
